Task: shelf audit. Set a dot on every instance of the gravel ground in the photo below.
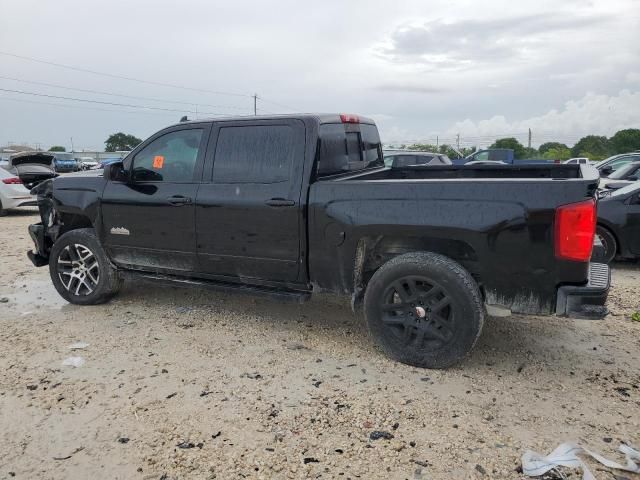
(184, 383)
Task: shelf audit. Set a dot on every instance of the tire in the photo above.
(439, 314)
(80, 270)
(3, 212)
(608, 242)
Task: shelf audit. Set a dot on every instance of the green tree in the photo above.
(121, 141)
(558, 153)
(529, 153)
(512, 143)
(595, 145)
(545, 147)
(625, 141)
(57, 148)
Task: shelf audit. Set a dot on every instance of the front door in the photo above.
(149, 220)
(249, 214)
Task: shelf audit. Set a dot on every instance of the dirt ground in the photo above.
(182, 383)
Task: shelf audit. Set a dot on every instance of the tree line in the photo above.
(594, 147)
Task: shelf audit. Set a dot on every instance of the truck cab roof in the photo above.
(320, 118)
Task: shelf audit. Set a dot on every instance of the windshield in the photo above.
(64, 156)
(624, 171)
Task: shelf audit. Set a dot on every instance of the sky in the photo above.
(423, 69)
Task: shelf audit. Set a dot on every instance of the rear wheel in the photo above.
(424, 309)
(3, 212)
(80, 270)
(608, 242)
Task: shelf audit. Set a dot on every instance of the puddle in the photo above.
(34, 296)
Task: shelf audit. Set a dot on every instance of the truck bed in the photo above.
(497, 221)
(492, 172)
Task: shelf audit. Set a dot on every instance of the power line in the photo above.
(24, 100)
(21, 92)
(33, 82)
(122, 77)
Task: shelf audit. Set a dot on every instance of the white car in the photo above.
(13, 194)
(87, 163)
(579, 160)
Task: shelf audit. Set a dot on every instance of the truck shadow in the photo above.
(326, 323)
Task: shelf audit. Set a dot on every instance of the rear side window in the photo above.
(348, 147)
(254, 154)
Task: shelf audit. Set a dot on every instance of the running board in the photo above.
(281, 295)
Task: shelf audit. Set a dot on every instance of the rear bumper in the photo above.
(586, 301)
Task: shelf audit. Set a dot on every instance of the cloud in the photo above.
(405, 88)
(632, 77)
(592, 114)
(468, 42)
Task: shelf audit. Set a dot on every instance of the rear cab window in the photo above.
(348, 147)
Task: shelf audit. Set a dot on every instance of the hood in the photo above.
(32, 158)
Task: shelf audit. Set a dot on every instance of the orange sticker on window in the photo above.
(158, 161)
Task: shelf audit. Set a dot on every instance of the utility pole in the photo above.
(529, 138)
(255, 104)
(71, 144)
(437, 141)
(458, 141)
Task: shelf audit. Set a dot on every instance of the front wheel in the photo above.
(80, 270)
(424, 309)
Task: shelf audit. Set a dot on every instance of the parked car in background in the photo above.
(4, 162)
(31, 165)
(87, 163)
(408, 159)
(65, 162)
(484, 162)
(579, 160)
(504, 155)
(13, 194)
(625, 175)
(618, 225)
(107, 161)
(611, 164)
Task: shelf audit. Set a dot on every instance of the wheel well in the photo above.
(373, 252)
(72, 221)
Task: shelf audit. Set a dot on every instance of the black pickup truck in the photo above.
(290, 205)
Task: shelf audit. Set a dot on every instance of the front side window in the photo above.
(254, 154)
(169, 158)
(482, 156)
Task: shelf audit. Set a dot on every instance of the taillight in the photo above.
(349, 118)
(12, 181)
(575, 228)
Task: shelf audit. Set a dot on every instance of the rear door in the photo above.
(149, 220)
(249, 214)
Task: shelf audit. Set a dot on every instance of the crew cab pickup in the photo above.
(293, 205)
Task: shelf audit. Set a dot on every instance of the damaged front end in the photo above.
(46, 231)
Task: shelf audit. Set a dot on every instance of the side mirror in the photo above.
(115, 172)
(604, 171)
